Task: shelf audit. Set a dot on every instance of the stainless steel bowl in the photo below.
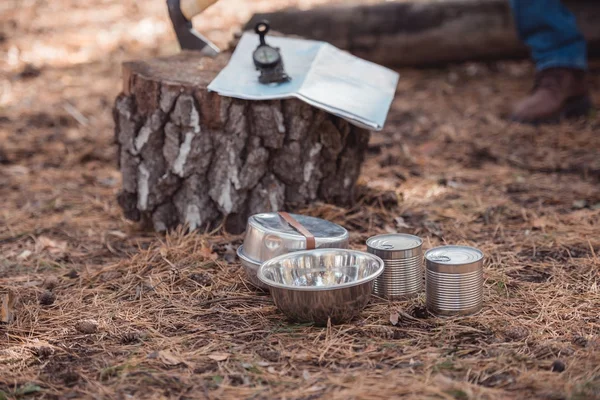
(316, 285)
(251, 267)
(268, 235)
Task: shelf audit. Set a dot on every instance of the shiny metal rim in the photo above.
(417, 240)
(456, 305)
(409, 280)
(359, 282)
(410, 284)
(454, 268)
(404, 267)
(393, 296)
(397, 287)
(399, 277)
(397, 292)
(405, 261)
(241, 255)
(454, 278)
(397, 254)
(447, 313)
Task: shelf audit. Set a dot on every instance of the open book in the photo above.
(322, 75)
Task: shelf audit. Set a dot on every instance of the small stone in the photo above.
(579, 204)
(24, 255)
(420, 312)
(87, 326)
(29, 71)
(201, 278)
(269, 355)
(558, 366)
(44, 351)
(50, 283)
(72, 274)
(567, 351)
(580, 341)
(47, 298)
(230, 255)
(516, 333)
(130, 337)
(70, 378)
(4, 157)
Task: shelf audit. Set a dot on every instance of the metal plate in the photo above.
(454, 259)
(395, 246)
(268, 235)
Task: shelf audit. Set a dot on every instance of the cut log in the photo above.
(190, 156)
(415, 33)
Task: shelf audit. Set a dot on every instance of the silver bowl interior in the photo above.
(321, 269)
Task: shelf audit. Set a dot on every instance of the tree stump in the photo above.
(190, 156)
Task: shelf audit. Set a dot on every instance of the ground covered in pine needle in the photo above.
(104, 310)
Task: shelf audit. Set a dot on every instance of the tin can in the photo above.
(454, 280)
(402, 255)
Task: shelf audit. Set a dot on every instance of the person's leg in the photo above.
(550, 31)
(559, 51)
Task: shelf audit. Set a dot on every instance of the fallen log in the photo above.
(190, 156)
(416, 33)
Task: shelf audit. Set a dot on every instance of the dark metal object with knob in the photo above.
(267, 59)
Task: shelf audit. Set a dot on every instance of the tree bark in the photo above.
(190, 156)
(415, 33)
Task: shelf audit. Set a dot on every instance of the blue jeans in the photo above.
(549, 29)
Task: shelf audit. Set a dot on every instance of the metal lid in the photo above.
(269, 235)
(395, 246)
(320, 228)
(454, 259)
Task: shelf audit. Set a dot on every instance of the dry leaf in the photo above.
(539, 223)
(24, 255)
(207, 253)
(306, 375)
(52, 246)
(389, 229)
(219, 356)
(394, 318)
(401, 223)
(8, 304)
(168, 358)
(119, 234)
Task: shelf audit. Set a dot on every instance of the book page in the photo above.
(348, 85)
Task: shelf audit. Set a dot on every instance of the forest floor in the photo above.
(105, 310)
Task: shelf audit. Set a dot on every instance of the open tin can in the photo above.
(269, 235)
(454, 280)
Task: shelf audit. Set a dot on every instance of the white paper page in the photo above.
(351, 86)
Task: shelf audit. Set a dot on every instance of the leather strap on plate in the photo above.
(310, 239)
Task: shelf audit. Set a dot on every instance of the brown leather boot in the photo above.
(558, 93)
